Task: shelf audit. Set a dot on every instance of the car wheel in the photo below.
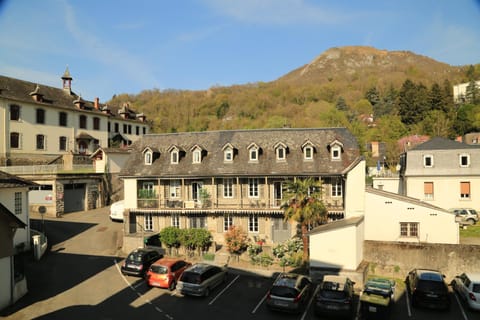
(470, 222)
(172, 285)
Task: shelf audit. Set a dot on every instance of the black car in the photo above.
(335, 296)
(289, 292)
(428, 288)
(139, 260)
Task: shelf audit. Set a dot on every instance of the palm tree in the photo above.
(303, 204)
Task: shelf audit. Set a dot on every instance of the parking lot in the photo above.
(243, 296)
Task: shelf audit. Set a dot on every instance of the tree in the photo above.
(303, 205)
(472, 93)
(413, 102)
(341, 104)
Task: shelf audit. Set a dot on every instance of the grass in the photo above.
(470, 231)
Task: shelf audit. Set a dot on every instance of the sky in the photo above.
(114, 47)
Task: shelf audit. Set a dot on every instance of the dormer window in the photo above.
(281, 151)
(428, 161)
(308, 150)
(464, 160)
(197, 156)
(174, 156)
(336, 150)
(228, 155)
(149, 155)
(148, 158)
(253, 152)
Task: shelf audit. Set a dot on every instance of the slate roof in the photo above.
(213, 143)
(11, 218)
(338, 224)
(21, 91)
(438, 143)
(10, 181)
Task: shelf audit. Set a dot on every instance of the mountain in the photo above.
(297, 98)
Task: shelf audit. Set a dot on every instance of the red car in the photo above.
(165, 272)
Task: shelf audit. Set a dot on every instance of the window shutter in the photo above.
(465, 187)
(428, 187)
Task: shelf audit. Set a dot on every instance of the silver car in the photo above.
(200, 279)
(467, 285)
(289, 292)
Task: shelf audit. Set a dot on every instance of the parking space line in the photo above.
(407, 299)
(224, 289)
(357, 314)
(310, 302)
(260, 303)
(460, 305)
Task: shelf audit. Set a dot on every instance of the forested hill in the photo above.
(340, 79)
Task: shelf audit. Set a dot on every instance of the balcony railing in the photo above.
(48, 169)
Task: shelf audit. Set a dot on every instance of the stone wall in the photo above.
(396, 259)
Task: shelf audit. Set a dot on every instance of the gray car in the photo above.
(289, 292)
(200, 279)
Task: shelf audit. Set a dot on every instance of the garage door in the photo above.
(74, 197)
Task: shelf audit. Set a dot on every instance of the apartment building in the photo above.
(217, 179)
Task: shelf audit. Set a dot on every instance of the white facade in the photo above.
(354, 186)
(460, 91)
(16, 201)
(338, 245)
(391, 217)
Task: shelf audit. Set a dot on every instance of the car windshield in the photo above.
(159, 269)
(135, 256)
(429, 285)
(191, 277)
(282, 291)
(333, 294)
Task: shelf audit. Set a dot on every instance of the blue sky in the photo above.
(114, 47)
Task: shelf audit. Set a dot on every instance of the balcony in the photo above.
(48, 169)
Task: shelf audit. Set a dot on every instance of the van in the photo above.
(465, 215)
(116, 211)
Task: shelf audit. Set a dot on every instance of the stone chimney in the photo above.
(96, 103)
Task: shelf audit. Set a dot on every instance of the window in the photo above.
(176, 221)
(197, 156)
(253, 187)
(409, 229)
(144, 130)
(428, 161)
(464, 160)
(137, 130)
(18, 203)
(96, 123)
(62, 119)
(254, 154)
(228, 188)
(109, 127)
(116, 127)
(252, 223)
(15, 140)
(82, 122)
(62, 143)
(129, 129)
(14, 112)
(125, 128)
(40, 116)
(336, 152)
(228, 155)
(148, 158)
(175, 189)
(337, 188)
(198, 222)
(227, 222)
(465, 190)
(40, 142)
(174, 156)
(281, 153)
(148, 222)
(308, 153)
(428, 190)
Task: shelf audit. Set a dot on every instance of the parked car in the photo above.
(289, 292)
(428, 288)
(116, 211)
(164, 273)
(154, 242)
(139, 261)
(335, 296)
(467, 216)
(377, 298)
(200, 279)
(467, 285)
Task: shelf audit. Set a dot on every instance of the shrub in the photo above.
(236, 240)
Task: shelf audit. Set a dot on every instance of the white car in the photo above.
(467, 285)
(116, 211)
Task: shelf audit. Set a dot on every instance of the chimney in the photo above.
(96, 103)
(141, 117)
